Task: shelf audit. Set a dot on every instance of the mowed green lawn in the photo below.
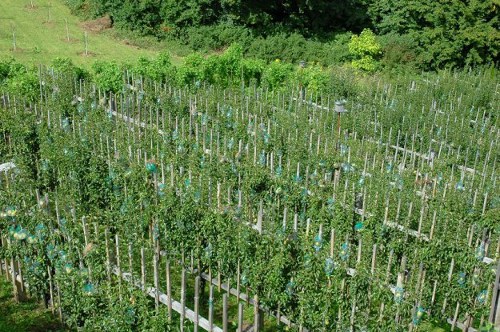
(40, 38)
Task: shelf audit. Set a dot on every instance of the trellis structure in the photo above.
(138, 133)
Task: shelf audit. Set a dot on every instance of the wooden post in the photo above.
(51, 289)
(224, 313)
(196, 303)
(14, 44)
(143, 270)
(59, 308)
(240, 317)
(211, 306)
(21, 280)
(219, 282)
(183, 298)
(495, 299)
(118, 265)
(374, 258)
(455, 317)
(13, 276)
(353, 313)
(1, 259)
(169, 290)
(156, 276)
(258, 315)
(238, 275)
(130, 261)
(67, 30)
(86, 43)
(389, 263)
(3, 265)
(108, 256)
(85, 235)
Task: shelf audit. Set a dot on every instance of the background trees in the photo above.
(427, 34)
(454, 33)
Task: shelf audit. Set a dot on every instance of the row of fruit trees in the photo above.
(390, 223)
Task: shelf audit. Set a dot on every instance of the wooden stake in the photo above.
(240, 317)
(224, 312)
(196, 303)
(183, 298)
(169, 290)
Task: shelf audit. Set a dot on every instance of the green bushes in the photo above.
(423, 34)
(314, 78)
(231, 68)
(141, 16)
(292, 47)
(276, 73)
(280, 46)
(225, 68)
(365, 51)
(192, 70)
(252, 70)
(159, 69)
(207, 38)
(65, 65)
(108, 76)
(19, 79)
(85, 8)
(455, 34)
(399, 51)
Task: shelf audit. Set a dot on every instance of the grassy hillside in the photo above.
(41, 35)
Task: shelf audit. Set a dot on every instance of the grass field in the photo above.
(26, 316)
(40, 38)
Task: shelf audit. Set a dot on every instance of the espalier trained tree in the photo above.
(211, 197)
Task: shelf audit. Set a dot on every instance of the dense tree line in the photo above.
(428, 33)
(308, 16)
(454, 32)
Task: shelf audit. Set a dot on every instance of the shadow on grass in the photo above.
(26, 316)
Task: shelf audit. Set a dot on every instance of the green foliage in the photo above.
(281, 46)
(66, 66)
(215, 37)
(337, 50)
(159, 69)
(425, 34)
(19, 79)
(108, 76)
(86, 8)
(276, 74)
(116, 194)
(342, 83)
(142, 16)
(457, 34)
(398, 51)
(192, 70)
(313, 17)
(189, 13)
(252, 70)
(313, 77)
(365, 51)
(225, 68)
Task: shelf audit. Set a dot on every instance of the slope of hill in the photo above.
(35, 32)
